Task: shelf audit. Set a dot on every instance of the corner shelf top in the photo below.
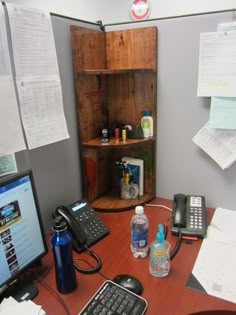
(115, 143)
(113, 71)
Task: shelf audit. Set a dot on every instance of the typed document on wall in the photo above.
(11, 134)
(217, 66)
(37, 76)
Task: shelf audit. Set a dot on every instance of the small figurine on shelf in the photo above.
(105, 137)
(128, 189)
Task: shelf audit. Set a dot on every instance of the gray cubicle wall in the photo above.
(182, 167)
(56, 167)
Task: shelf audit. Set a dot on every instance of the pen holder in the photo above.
(129, 191)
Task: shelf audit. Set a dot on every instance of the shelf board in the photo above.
(113, 203)
(115, 143)
(113, 71)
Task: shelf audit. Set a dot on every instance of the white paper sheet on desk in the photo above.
(215, 264)
(224, 220)
(11, 306)
(214, 234)
(215, 269)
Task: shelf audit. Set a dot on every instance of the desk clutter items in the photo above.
(105, 136)
(159, 260)
(128, 178)
(11, 306)
(139, 233)
(123, 132)
(159, 263)
(147, 124)
(61, 243)
(131, 178)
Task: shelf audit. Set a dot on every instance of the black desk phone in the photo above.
(189, 215)
(85, 225)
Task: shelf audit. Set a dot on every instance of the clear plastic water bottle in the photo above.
(139, 233)
(61, 243)
(159, 264)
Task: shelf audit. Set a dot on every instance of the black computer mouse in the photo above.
(129, 282)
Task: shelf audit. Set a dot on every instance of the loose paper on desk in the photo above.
(37, 75)
(217, 64)
(220, 144)
(11, 306)
(223, 113)
(215, 264)
(11, 134)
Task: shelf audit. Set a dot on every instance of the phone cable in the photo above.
(87, 262)
(177, 245)
(93, 269)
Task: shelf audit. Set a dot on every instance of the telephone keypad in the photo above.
(196, 216)
(93, 227)
(191, 215)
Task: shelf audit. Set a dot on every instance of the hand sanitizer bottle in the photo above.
(159, 264)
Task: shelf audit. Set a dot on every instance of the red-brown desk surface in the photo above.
(165, 296)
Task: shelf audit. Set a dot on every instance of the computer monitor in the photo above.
(22, 239)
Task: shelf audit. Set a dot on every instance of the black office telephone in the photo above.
(189, 215)
(85, 225)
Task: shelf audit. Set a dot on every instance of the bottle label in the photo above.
(139, 239)
(159, 253)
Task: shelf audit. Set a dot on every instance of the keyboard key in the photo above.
(112, 299)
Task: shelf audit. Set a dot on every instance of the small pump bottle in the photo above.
(147, 124)
(159, 264)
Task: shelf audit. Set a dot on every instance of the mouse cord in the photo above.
(40, 279)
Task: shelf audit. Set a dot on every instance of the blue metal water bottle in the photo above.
(61, 243)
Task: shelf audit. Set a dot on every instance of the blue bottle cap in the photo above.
(146, 112)
(59, 224)
(159, 237)
(160, 228)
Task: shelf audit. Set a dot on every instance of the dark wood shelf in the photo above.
(113, 71)
(111, 202)
(96, 143)
(115, 75)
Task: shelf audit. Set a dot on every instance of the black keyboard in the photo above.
(112, 299)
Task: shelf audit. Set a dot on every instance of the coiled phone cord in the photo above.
(93, 269)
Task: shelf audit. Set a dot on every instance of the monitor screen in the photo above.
(22, 239)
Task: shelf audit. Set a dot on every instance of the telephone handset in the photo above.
(85, 225)
(189, 215)
(78, 236)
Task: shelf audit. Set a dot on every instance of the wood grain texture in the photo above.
(115, 81)
(167, 296)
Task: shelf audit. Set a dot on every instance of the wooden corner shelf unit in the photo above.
(115, 77)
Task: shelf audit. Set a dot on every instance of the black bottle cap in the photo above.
(59, 224)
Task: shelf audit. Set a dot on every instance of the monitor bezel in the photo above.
(4, 181)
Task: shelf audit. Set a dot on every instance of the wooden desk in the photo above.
(165, 296)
